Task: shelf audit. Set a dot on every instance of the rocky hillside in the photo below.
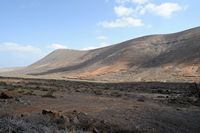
(170, 57)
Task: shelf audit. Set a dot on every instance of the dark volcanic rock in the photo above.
(3, 95)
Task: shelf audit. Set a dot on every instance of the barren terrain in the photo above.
(36, 105)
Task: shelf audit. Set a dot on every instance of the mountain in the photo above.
(169, 57)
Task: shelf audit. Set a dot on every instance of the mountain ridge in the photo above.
(169, 57)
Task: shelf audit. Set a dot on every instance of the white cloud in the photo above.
(133, 1)
(122, 22)
(140, 1)
(102, 37)
(14, 47)
(121, 1)
(55, 46)
(123, 11)
(164, 9)
(130, 16)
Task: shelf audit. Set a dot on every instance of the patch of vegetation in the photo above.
(31, 92)
(2, 85)
(141, 99)
(115, 94)
(10, 88)
(20, 90)
(25, 91)
(51, 121)
(45, 89)
(183, 100)
(49, 94)
(98, 92)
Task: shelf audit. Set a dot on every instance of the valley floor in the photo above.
(35, 105)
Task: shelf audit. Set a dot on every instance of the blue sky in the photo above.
(30, 29)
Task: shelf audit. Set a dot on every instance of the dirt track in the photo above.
(121, 107)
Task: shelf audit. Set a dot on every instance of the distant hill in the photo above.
(169, 57)
(10, 69)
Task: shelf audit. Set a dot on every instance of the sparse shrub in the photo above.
(116, 94)
(25, 91)
(45, 89)
(106, 88)
(77, 90)
(15, 124)
(161, 96)
(49, 94)
(31, 92)
(98, 92)
(141, 99)
(160, 91)
(20, 90)
(10, 88)
(3, 84)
